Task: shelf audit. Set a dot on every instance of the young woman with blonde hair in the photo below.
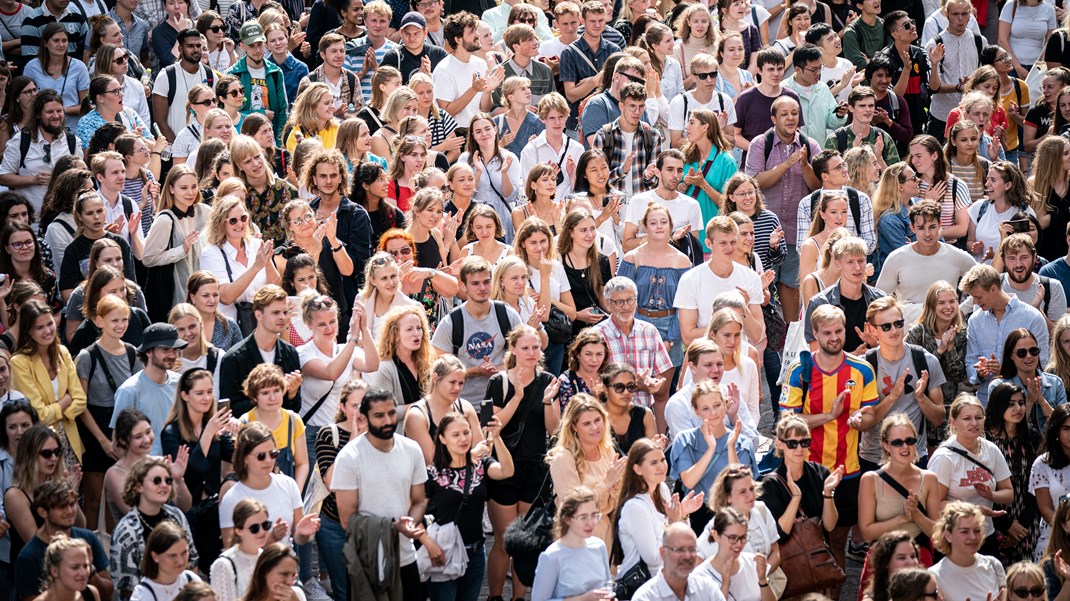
(863, 169)
(1059, 363)
(401, 103)
(313, 116)
(509, 284)
(405, 355)
(896, 191)
(441, 123)
(444, 396)
(533, 244)
(830, 213)
(67, 569)
(965, 572)
(176, 240)
(385, 80)
(199, 102)
(354, 141)
(236, 257)
(381, 291)
(1051, 200)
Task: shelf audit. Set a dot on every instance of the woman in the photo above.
(106, 281)
(274, 575)
(743, 194)
(540, 189)
(104, 104)
(739, 574)
(585, 456)
(313, 117)
(230, 95)
(423, 284)
(198, 352)
(1024, 28)
(382, 280)
(532, 245)
(732, 77)
(518, 123)
(23, 258)
(202, 291)
(57, 211)
(67, 564)
(588, 358)
(133, 440)
(447, 381)
(164, 566)
(115, 60)
(1049, 477)
(483, 228)
(937, 183)
(1006, 426)
(456, 491)
(174, 243)
(408, 160)
(104, 253)
(143, 168)
(708, 161)
(1025, 580)
(221, 53)
(89, 215)
(164, 37)
(1059, 364)
(265, 386)
(1021, 366)
(830, 214)
(52, 69)
(895, 193)
(441, 123)
(592, 180)
(963, 451)
(963, 144)
(405, 355)
(497, 169)
(259, 127)
(1051, 201)
(18, 107)
(399, 104)
(658, 42)
(732, 15)
(965, 572)
(44, 371)
(16, 417)
(354, 141)
(232, 572)
(305, 235)
(371, 188)
(509, 284)
(1007, 195)
(941, 331)
(199, 102)
(39, 458)
(894, 552)
(863, 169)
(797, 22)
(627, 421)
(385, 80)
(695, 34)
(913, 584)
(576, 564)
(516, 393)
(435, 241)
(586, 268)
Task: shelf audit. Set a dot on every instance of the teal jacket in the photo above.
(276, 99)
(818, 108)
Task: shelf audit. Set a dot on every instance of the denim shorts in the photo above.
(663, 324)
(788, 270)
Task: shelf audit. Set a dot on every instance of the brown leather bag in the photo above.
(807, 560)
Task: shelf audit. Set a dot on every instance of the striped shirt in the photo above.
(354, 61)
(764, 224)
(37, 18)
(957, 196)
(132, 188)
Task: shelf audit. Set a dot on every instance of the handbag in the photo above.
(246, 317)
(776, 329)
(629, 582)
(528, 536)
(160, 280)
(203, 520)
(456, 563)
(558, 327)
(807, 560)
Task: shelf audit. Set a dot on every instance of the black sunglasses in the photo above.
(619, 388)
(1036, 591)
(273, 453)
(705, 76)
(794, 444)
(205, 102)
(157, 480)
(119, 59)
(256, 528)
(216, 28)
(887, 327)
(634, 79)
(898, 442)
(1022, 352)
(236, 92)
(49, 453)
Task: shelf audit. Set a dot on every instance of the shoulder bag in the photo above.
(528, 536)
(806, 558)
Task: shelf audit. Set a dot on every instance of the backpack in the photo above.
(917, 357)
(803, 140)
(172, 78)
(351, 78)
(25, 140)
(457, 321)
(95, 355)
(716, 94)
(853, 202)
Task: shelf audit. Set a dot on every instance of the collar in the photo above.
(183, 214)
(518, 70)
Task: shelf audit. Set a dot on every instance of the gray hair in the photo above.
(729, 300)
(619, 284)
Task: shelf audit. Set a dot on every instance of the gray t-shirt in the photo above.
(1057, 296)
(888, 374)
(100, 392)
(482, 340)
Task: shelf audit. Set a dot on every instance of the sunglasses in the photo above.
(619, 387)
(1036, 591)
(914, 177)
(634, 79)
(887, 327)
(119, 59)
(49, 453)
(273, 453)
(907, 25)
(898, 442)
(158, 480)
(236, 92)
(216, 28)
(205, 102)
(794, 444)
(527, 20)
(235, 220)
(1022, 352)
(705, 76)
(256, 528)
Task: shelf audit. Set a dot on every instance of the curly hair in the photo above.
(136, 476)
(325, 157)
(953, 512)
(389, 335)
(881, 555)
(585, 337)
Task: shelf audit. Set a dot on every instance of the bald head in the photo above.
(679, 552)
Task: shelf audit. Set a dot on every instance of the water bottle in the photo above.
(351, 111)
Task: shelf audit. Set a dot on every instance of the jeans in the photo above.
(465, 588)
(304, 555)
(554, 358)
(330, 540)
(771, 360)
(311, 432)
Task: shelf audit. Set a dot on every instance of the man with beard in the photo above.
(175, 81)
(850, 293)
(152, 390)
(343, 82)
(679, 556)
(379, 475)
(264, 85)
(462, 84)
(1045, 294)
(264, 345)
(836, 395)
(685, 211)
(28, 158)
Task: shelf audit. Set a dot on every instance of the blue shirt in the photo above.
(354, 61)
(136, 37)
(1058, 269)
(893, 231)
(689, 446)
(566, 572)
(92, 121)
(575, 67)
(73, 81)
(292, 72)
(985, 337)
(1051, 388)
(150, 398)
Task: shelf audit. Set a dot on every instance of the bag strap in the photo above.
(467, 489)
(148, 588)
(959, 451)
(897, 487)
(334, 435)
(705, 170)
(95, 350)
(457, 323)
(213, 358)
(308, 415)
(226, 263)
(502, 315)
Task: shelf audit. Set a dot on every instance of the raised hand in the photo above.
(921, 387)
(179, 463)
(855, 421)
(190, 240)
(833, 480)
(936, 191)
(551, 391)
(776, 237)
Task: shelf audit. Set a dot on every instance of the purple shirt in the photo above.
(782, 197)
(752, 111)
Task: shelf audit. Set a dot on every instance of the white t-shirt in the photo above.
(551, 48)
(761, 533)
(187, 141)
(258, 88)
(682, 209)
(719, 103)
(959, 474)
(176, 113)
(212, 260)
(1029, 29)
(1058, 484)
(313, 389)
(832, 75)
(282, 497)
(908, 275)
(987, 229)
(699, 286)
(743, 584)
(384, 479)
(985, 576)
(558, 281)
(745, 376)
(147, 590)
(452, 78)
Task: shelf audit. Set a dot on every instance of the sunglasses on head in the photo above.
(49, 453)
(794, 444)
(1036, 591)
(158, 480)
(1022, 352)
(887, 327)
(234, 220)
(256, 528)
(620, 387)
(273, 453)
(898, 442)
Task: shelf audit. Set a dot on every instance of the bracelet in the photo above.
(833, 495)
(157, 153)
(763, 584)
(340, 246)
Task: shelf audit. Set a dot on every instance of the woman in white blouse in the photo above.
(534, 245)
(382, 282)
(200, 100)
(233, 570)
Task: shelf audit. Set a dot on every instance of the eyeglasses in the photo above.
(30, 91)
(750, 194)
(429, 4)
(236, 92)
(216, 28)
(898, 442)
(887, 327)
(21, 244)
(404, 250)
(1006, 58)
(50, 453)
(907, 25)
(682, 550)
(702, 76)
(306, 218)
(634, 78)
(205, 102)
(158, 480)
(273, 453)
(119, 59)
(620, 387)
(527, 20)
(933, 595)
(913, 178)
(234, 220)
(256, 528)
(735, 539)
(117, 92)
(588, 517)
(1036, 591)
(623, 302)
(1022, 352)
(815, 70)
(794, 444)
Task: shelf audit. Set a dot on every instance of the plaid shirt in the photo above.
(647, 144)
(643, 349)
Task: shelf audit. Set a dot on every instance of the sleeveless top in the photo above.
(890, 504)
(428, 253)
(424, 406)
(636, 430)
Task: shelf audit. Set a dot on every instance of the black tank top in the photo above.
(636, 430)
(428, 254)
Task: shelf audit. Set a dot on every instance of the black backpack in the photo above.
(769, 144)
(978, 42)
(172, 79)
(854, 203)
(917, 356)
(25, 140)
(457, 321)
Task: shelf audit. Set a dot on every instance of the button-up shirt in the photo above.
(643, 349)
(646, 145)
(135, 37)
(783, 196)
(498, 16)
(986, 335)
(34, 163)
(540, 151)
(804, 217)
(153, 13)
(960, 60)
(699, 588)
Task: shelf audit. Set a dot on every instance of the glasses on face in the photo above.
(273, 453)
(236, 92)
(620, 387)
(117, 92)
(306, 218)
(49, 453)
(682, 550)
(1036, 591)
(912, 178)
(216, 28)
(589, 517)
(158, 480)
(907, 25)
(623, 302)
(234, 220)
(735, 539)
(1006, 58)
(898, 442)
(256, 528)
(527, 20)
(794, 444)
(1023, 352)
(815, 70)
(748, 194)
(28, 92)
(20, 245)
(403, 251)
(634, 78)
(702, 76)
(428, 4)
(887, 327)
(119, 59)
(205, 102)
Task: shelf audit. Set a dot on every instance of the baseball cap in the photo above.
(413, 18)
(251, 33)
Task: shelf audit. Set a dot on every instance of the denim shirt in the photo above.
(292, 72)
(1051, 388)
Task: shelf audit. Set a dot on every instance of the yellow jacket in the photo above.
(31, 379)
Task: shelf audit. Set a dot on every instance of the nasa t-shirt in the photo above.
(483, 340)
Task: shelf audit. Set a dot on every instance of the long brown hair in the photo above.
(565, 243)
(271, 556)
(632, 484)
(714, 134)
(28, 314)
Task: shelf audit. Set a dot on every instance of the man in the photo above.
(862, 103)
(567, 26)
(29, 156)
(53, 11)
(708, 363)
(830, 167)
(631, 145)
(521, 42)
(552, 145)
(962, 50)
(937, 22)
(416, 53)
(152, 390)
(837, 72)
(864, 37)
(639, 344)
(265, 87)
(704, 96)
(908, 381)
(892, 113)
(582, 61)
(720, 274)
(342, 81)
(432, 13)
(835, 394)
(354, 224)
(55, 504)
(363, 55)
(175, 82)
(995, 315)
(462, 82)
(380, 475)
(120, 211)
(675, 582)
(909, 64)
(498, 17)
(909, 270)
(850, 293)
(241, 11)
(268, 194)
(755, 104)
(264, 345)
(1045, 294)
(605, 107)
(684, 211)
(1058, 269)
(135, 30)
(476, 331)
(780, 161)
(820, 109)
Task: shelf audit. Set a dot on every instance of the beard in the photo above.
(53, 130)
(474, 47)
(1020, 280)
(384, 433)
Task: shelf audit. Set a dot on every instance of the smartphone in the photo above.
(222, 404)
(596, 311)
(1019, 226)
(486, 411)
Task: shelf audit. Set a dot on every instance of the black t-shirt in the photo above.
(386, 217)
(445, 491)
(30, 562)
(531, 447)
(1052, 244)
(1058, 49)
(583, 294)
(1039, 116)
(855, 311)
(776, 496)
(408, 63)
(76, 261)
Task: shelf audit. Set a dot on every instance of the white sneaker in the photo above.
(315, 592)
